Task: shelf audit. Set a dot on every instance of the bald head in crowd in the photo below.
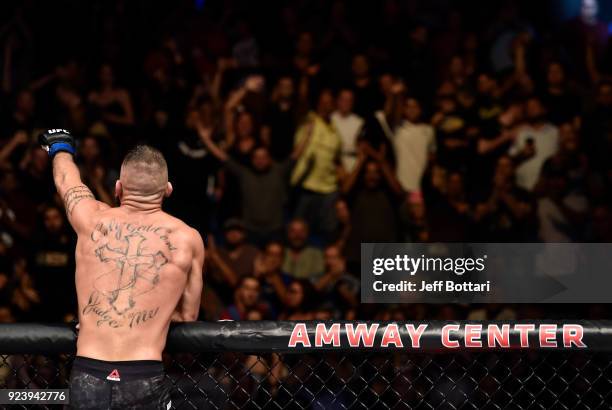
(144, 176)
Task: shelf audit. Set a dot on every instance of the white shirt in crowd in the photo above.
(412, 144)
(348, 126)
(546, 142)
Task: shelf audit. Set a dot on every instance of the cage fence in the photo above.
(263, 377)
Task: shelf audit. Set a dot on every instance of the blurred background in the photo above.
(295, 130)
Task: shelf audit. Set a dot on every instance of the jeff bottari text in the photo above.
(411, 265)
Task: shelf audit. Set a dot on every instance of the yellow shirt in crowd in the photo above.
(316, 170)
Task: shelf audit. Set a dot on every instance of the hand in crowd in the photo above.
(398, 88)
(254, 83)
(261, 267)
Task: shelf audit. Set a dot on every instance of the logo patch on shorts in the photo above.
(114, 376)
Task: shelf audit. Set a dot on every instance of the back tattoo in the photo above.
(133, 256)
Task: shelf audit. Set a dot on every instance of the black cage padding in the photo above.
(269, 336)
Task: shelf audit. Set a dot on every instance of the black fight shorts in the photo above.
(138, 384)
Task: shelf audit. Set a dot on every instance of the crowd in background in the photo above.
(296, 131)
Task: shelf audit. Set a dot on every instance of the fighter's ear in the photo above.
(168, 190)
(118, 189)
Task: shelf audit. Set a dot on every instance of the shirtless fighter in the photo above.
(137, 269)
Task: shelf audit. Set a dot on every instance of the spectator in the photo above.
(268, 269)
(563, 205)
(507, 214)
(36, 177)
(536, 141)
(451, 130)
(598, 127)
(414, 218)
(281, 119)
(569, 159)
(415, 58)
(241, 135)
(449, 211)
(338, 286)
(349, 127)
(261, 369)
(316, 170)
(413, 141)
(14, 149)
(263, 186)
(246, 299)
(561, 213)
(304, 57)
(299, 301)
(491, 146)
(488, 105)
(22, 118)
(375, 195)
(52, 265)
(17, 209)
(562, 102)
(95, 169)
(112, 104)
(25, 298)
(241, 138)
(301, 260)
(367, 99)
(235, 259)
(191, 168)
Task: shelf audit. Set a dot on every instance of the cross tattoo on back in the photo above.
(135, 272)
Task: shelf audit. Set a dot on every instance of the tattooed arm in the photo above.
(79, 201)
(188, 307)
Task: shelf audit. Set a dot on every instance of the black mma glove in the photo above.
(56, 140)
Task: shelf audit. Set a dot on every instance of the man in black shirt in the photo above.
(52, 265)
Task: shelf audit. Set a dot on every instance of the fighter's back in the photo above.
(137, 269)
(132, 269)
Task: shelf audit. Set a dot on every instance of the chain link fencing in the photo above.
(359, 378)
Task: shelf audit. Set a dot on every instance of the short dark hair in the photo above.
(148, 169)
(146, 154)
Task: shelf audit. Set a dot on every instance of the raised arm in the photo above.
(78, 200)
(19, 138)
(351, 179)
(222, 66)
(387, 170)
(302, 143)
(393, 103)
(485, 146)
(253, 83)
(188, 307)
(205, 135)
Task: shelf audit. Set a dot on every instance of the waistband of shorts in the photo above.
(124, 370)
